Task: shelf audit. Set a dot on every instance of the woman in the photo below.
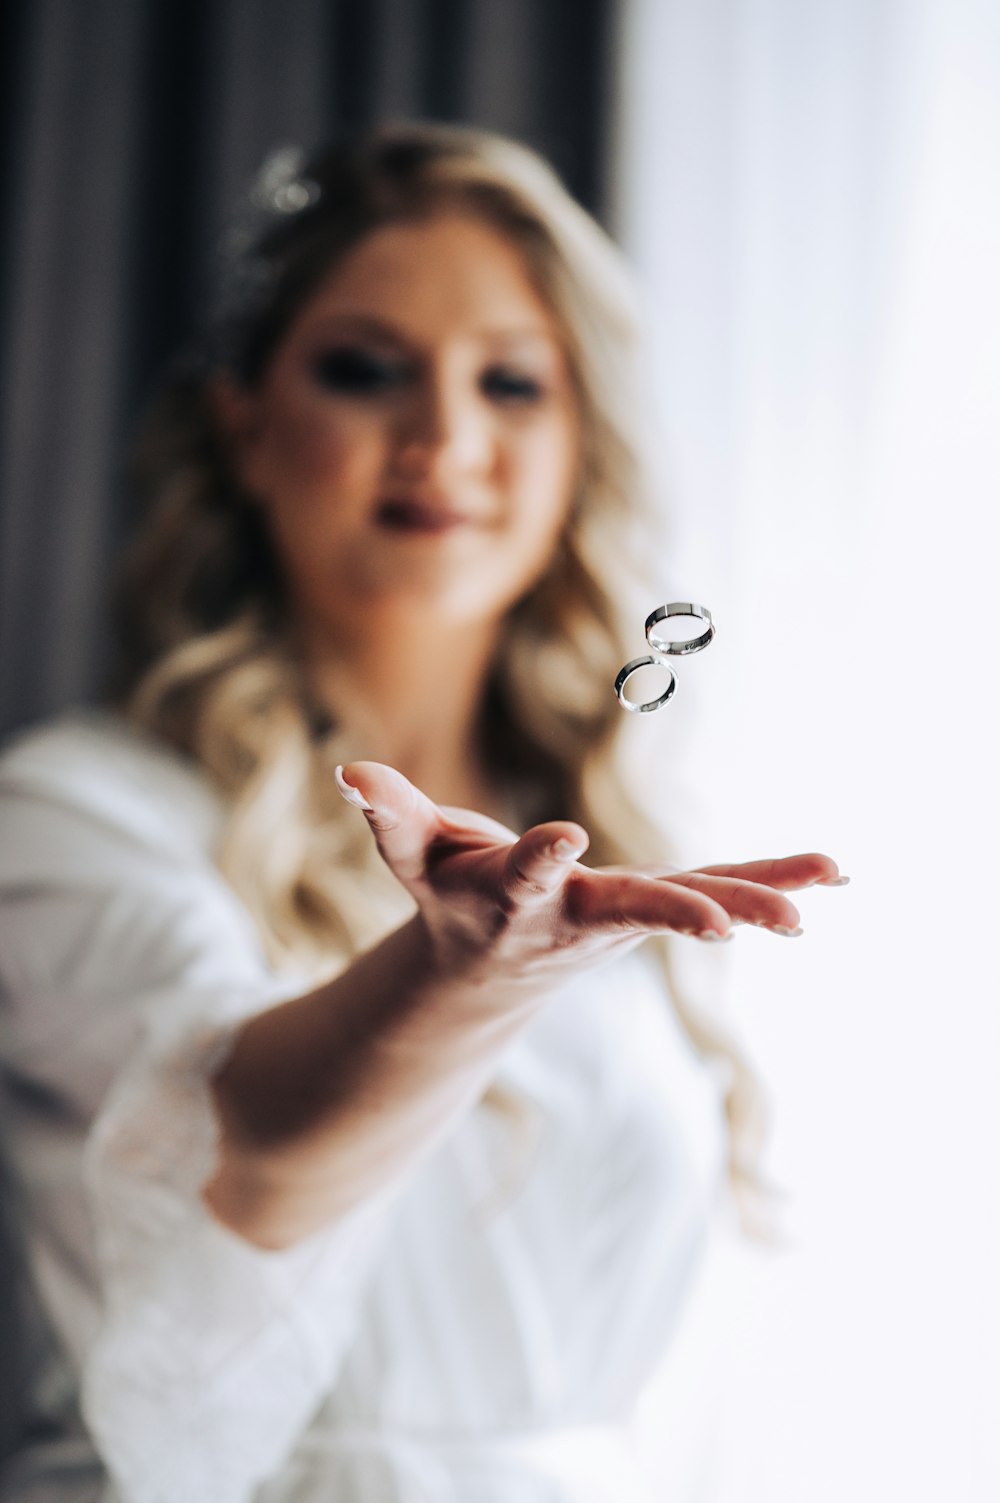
(363, 1153)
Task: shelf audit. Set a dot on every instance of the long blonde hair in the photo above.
(207, 661)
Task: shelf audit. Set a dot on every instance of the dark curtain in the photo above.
(130, 130)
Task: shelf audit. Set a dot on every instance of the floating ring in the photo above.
(644, 706)
(664, 648)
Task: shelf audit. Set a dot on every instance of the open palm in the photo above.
(522, 910)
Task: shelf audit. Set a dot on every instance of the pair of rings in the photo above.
(661, 648)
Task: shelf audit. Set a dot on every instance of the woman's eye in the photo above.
(511, 386)
(356, 372)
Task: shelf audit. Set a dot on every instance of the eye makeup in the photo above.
(355, 371)
(507, 385)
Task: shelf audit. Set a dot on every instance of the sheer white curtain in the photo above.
(810, 189)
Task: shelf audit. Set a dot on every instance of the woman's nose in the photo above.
(445, 434)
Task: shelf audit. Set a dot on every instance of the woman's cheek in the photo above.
(345, 450)
(548, 470)
(305, 448)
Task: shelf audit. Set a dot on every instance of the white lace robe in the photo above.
(479, 1332)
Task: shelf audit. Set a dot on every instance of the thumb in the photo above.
(403, 820)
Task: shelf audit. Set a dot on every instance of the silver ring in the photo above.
(664, 648)
(643, 707)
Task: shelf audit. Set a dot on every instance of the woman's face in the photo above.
(414, 440)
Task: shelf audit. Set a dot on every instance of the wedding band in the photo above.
(644, 706)
(662, 647)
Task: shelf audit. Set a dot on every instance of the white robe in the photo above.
(482, 1332)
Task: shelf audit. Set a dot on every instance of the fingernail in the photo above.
(832, 881)
(566, 850)
(714, 937)
(784, 930)
(353, 795)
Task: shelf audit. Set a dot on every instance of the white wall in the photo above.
(810, 191)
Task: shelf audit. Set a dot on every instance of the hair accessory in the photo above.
(244, 272)
(279, 187)
(662, 648)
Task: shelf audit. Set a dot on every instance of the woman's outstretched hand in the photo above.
(521, 909)
(328, 1097)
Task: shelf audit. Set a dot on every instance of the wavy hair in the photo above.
(207, 659)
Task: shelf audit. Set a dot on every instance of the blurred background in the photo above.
(809, 191)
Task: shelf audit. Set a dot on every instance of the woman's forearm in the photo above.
(326, 1099)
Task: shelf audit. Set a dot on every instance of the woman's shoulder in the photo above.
(94, 768)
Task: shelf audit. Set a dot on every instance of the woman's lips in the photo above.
(403, 515)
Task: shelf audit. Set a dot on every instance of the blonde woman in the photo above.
(363, 1153)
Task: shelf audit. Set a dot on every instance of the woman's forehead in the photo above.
(452, 270)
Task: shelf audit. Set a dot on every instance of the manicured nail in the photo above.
(832, 881)
(714, 937)
(566, 850)
(353, 795)
(784, 930)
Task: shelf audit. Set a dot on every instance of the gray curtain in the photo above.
(130, 129)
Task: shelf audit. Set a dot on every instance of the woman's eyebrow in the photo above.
(372, 326)
(528, 334)
(361, 323)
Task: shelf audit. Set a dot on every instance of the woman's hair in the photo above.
(207, 661)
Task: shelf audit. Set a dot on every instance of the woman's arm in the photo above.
(329, 1097)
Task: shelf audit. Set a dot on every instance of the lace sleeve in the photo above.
(212, 1354)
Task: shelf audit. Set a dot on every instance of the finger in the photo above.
(470, 819)
(541, 860)
(644, 869)
(785, 873)
(745, 902)
(633, 903)
(403, 820)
